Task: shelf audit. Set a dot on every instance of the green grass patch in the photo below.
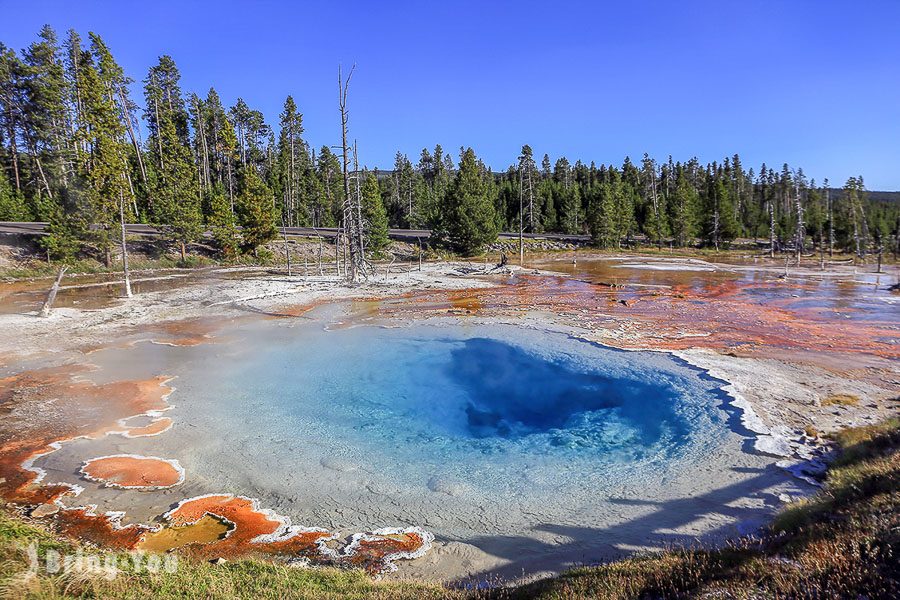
(248, 578)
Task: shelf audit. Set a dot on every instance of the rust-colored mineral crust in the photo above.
(44, 407)
(155, 427)
(130, 471)
(755, 319)
(254, 529)
(103, 529)
(376, 552)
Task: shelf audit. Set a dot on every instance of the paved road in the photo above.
(37, 228)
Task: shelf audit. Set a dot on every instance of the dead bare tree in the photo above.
(801, 226)
(771, 208)
(830, 205)
(521, 224)
(287, 249)
(352, 211)
(125, 270)
(51, 295)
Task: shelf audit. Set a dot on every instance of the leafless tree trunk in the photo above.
(37, 161)
(352, 210)
(521, 220)
(716, 222)
(771, 229)
(230, 186)
(126, 115)
(51, 295)
(830, 220)
(655, 197)
(287, 249)
(124, 248)
(801, 228)
(13, 151)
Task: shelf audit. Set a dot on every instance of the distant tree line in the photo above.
(72, 153)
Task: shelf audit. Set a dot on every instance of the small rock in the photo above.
(44, 510)
(218, 561)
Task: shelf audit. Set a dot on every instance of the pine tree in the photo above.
(222, 223)
(61, 238)
(656, 225)
(174, 191)
(12, 203)
(328, 207)
(44, 119)
(720, 226)
(292, 165)
(374, 215)
(252, 132)
(683, 208)
(569, 209)
(12, 74)
(256, 211)
(469, 219)
(527, 176)
(107, 197)
(604, 221)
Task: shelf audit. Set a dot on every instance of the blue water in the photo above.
(493, 410)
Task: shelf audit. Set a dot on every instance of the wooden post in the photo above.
(51, 295)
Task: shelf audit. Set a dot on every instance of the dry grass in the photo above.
(841, 400)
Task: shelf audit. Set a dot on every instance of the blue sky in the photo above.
(815, 83)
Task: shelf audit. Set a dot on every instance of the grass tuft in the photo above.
(840, 400)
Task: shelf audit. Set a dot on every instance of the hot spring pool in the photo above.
(484, 434)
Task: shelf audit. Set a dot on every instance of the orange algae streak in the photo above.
(465, 301)
(101, 529)
(155, 427)
(376, 552)
(260, 531)
(757, 317)
(128, 471)
(256, 530)
(206, 530)
(186, 332)
(44, 407)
